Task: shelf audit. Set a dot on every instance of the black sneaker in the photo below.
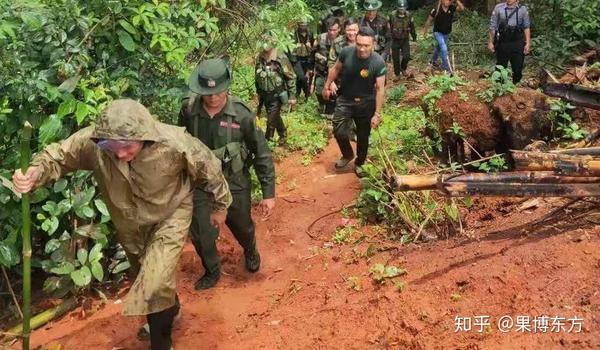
(342, 163)
(359, 171)
(207, 281)
(252, 261)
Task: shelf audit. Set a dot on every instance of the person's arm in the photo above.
(56, 160)
(290, 79)
(332, 76)
(526, 30)
(379, 100)
(205, 172)
(428, 22)
(492, 31)
(260, 156)
(460, 6)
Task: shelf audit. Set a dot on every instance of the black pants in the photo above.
(274, 120)
(204, 234)
(511, 51)
(400, 55)
(302, 84)
(161, 326)
(361, 112)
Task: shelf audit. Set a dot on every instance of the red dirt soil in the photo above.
(312, 294)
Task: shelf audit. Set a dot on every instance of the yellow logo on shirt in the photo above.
(364, 73)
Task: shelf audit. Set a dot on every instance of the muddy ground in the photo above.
(312, 294)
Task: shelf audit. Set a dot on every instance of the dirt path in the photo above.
(316, 295)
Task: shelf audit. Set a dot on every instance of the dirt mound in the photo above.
(524, 115)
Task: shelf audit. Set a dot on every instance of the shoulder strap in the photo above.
(229, 127)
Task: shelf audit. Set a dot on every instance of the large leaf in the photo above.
(121, 267)
(8, 255)
(50, 225)
(126, 41)
(70, 84)
(82, 255)
(52, 245)
(84, 197)
(39, 195)
(97, 271)
(60, 185)
(82, 277)
(128, 27)
(50, 129)
(64, 268)
(101, 207)
(66, 107)
(81, 112)
(96, 253)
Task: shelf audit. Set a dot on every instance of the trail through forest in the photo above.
(314, 294)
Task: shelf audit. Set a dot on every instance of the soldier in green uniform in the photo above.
(227, 126)
(322, 46)
(146, 173)
(380, 26)
(336, 12)
(401, 26)
(302, 58)
(275, 82)
(348, 39)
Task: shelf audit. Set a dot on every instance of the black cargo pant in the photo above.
(161, 327)
(204, 234)
(302, 84)
(357, 110)
(512, 51)
(273, 106)
(400, 55)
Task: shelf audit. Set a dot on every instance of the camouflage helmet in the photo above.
(210, 77)
(402, 4)
(371, 5)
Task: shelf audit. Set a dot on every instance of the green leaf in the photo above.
(85, 212)
(66, 107)
(126, 41)
(60, 185)
(51, 245)
(393, 271)
(81, 112)
(50, 130)
(84, 197)
(82, 255)
(121, 267)
(8, 255)
(39, 195)
(101, 206)
(63, 268)
(128, 27)
(50, 225)
(96, 253)
(97, 271)
(70, 84)
(82, 277)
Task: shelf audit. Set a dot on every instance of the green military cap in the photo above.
(210, 77)
(372, 4)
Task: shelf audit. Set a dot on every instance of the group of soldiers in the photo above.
(162, 182)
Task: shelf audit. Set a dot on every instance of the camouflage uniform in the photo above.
(381, 29)
(302, 60)
(322, 47)
(149, 198)
(275, 82)
(401, 27)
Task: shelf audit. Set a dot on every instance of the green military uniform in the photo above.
(336, 12)
(149, 198)
(401, 27)
(379, 25)
(275, 82)
(339, 43)
(234, 138)
(322, 47)
(302, 58)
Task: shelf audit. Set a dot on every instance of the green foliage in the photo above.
(342, 235)
(457, 130)
(560, 114)
(440, 84)
(62, 62)
(496, 164)
(395, 94)
(500, 85)
(379, 272)
(278, 22)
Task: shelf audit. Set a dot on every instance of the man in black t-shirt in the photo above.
(360, 97)
(442, 17)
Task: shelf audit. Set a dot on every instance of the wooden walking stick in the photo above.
(26, 216)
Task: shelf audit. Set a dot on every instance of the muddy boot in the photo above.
(208, 280)
(159, 327)
(252, 260)
(342, 162)
(359, 171)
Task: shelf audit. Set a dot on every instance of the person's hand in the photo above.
(326, 93)
(25, 183)
(491, 47)
(292, 102)
(527, 48)
(217, 219)
(375, 120)
(266, 207)
(333, 88)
